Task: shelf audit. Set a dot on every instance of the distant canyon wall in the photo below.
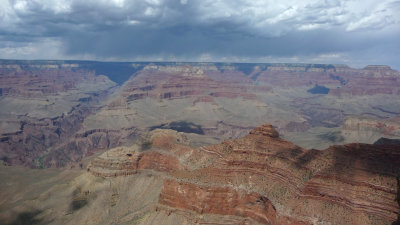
(54, 113)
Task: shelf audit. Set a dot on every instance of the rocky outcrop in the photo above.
(217, 200)
(158, 161)
(265, 130)
(265, 179)
(144, 155)
(346, 180)
(116, 162)
(125, 161)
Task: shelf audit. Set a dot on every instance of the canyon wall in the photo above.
(264, 179)
(55, 113)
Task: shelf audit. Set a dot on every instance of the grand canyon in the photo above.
(87, 142)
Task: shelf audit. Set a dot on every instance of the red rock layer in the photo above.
(158, 161)
(343, 80)
(273, 181)
(176, 82)
(265, 130)
(359, 177)
(217, 200)
(352, 184)
(47, 80)
(124, 161)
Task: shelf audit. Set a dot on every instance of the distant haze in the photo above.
(357, 32)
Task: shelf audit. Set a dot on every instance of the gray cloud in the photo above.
(335, 31)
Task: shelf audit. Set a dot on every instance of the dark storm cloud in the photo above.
(320, 31)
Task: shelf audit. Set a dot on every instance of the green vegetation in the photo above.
(307, 176)
(39, 163)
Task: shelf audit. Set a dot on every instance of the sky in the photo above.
(352, 32)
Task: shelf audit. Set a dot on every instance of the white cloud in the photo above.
(119, 3)
(219, 25)
(132, 22)
(20, 5)
(285, 15)
(150, 11)
(46, 48)
(311, 26)
(57, 6)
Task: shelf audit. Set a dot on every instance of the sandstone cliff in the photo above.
(261, 178)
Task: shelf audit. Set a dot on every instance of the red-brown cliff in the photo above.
(217, 200)
(269, 180)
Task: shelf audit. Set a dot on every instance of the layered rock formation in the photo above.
(363, 129)
(184, 81)
(342, 79)
(186, 97)
(217, 98)
(217, 200)
(42, 80)
(64, 111)
(144, 155)
(261, 178)
(43, 107)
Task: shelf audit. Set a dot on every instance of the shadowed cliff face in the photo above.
(397, 222)
(43, 107)
(181, 126)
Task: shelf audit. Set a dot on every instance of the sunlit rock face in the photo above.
(217, 200)
(262, 179)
